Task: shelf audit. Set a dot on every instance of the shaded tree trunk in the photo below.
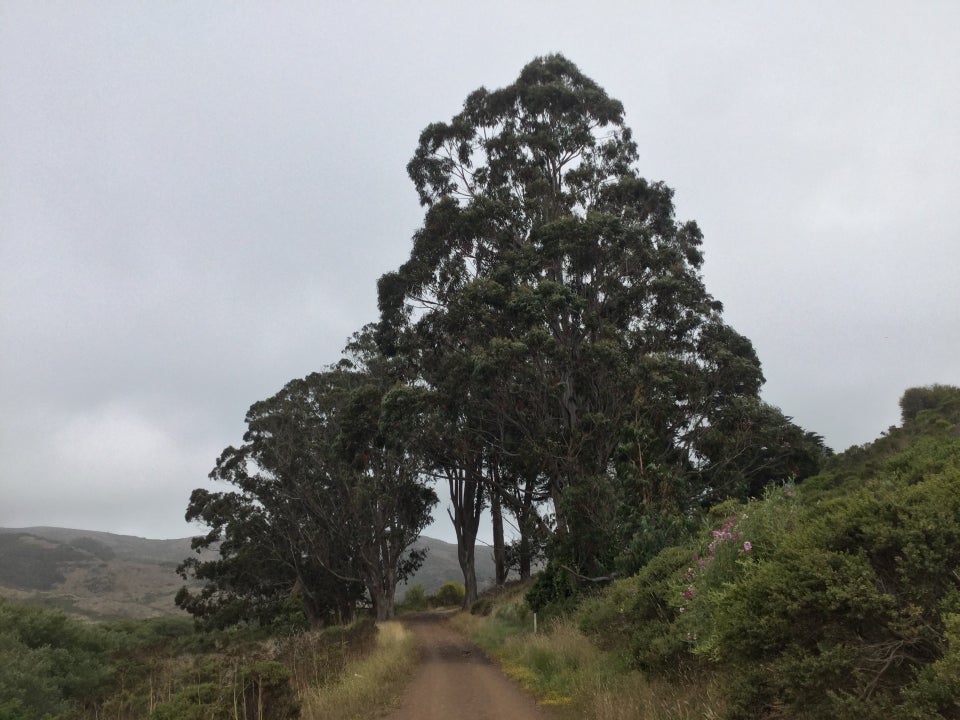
(499, 549)
(467, 499)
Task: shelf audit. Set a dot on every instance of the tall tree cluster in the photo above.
(549, 351)
(554, 307)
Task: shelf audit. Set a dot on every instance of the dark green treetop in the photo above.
(557, 286)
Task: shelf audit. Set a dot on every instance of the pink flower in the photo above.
(747, 547)
(683, 609)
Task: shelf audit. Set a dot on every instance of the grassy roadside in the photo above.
(370, 684)
(564, 669)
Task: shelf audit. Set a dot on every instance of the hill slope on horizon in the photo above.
(105, 576)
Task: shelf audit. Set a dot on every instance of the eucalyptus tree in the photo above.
(322, 488)
(259, 566)
(561, 285)
(388, 493)
(449, 416)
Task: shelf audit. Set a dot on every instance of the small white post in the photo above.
(534, 623)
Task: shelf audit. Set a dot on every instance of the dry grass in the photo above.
(466, 624)
(632, 696)
(368, 685)
(565, 669)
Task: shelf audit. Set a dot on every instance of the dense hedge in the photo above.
(839, 598)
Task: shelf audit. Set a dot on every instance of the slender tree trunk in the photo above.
(346, 611)
(499, 549)
(314, 615)
(524, 555)
(469, 567)
(467, 498)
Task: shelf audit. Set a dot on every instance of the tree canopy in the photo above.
(326, 500)
(556, 305)
(549, 348)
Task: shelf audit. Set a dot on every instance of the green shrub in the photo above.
(635, 616)
(450, 593)
(937, 689)
(247, 690)
(843, 607)
(415, 598)
(552, 589)
(483, 606)
(843, 619)
(49, 662)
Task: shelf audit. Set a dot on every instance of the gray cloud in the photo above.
(196, 202)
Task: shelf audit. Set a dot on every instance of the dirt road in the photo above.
(454, 680)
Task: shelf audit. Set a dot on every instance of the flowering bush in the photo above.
(848, 617)
(837, 600)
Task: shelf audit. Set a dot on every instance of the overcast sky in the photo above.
(196, 201)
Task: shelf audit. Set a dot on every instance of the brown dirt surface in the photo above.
(455, 679)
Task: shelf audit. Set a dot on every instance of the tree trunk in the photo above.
(383, 604)
(466, 497)
(469, 567)
(346, 611)
(388, 608)
(499, 550)
(524, 554)
(315, 617)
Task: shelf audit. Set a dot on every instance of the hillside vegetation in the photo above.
(838, 597)
(104, 576)
(53, 666)
(99, 576)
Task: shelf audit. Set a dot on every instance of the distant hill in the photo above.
(93, 574)
(442, 566)
(102, 576)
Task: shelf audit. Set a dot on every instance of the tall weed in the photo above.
(565, 669)
(367, 684)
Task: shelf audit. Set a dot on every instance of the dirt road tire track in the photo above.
(455, 680)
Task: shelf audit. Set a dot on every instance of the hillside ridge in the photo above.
(101, 575)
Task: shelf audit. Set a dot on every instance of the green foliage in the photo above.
(52, 666)
(553, 309)
(943, 399)
(326, 502)
(636, 616)
(553, 587)
(937, 688)
(49, 663)
(450, 593)
(250, 691)
(415, 598)
(835, 598)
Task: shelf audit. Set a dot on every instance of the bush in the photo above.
(846, 606)
(450, 593)
(48, 662)
(552, 589)
(415, 598)
(844, 615)
(483, 606)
